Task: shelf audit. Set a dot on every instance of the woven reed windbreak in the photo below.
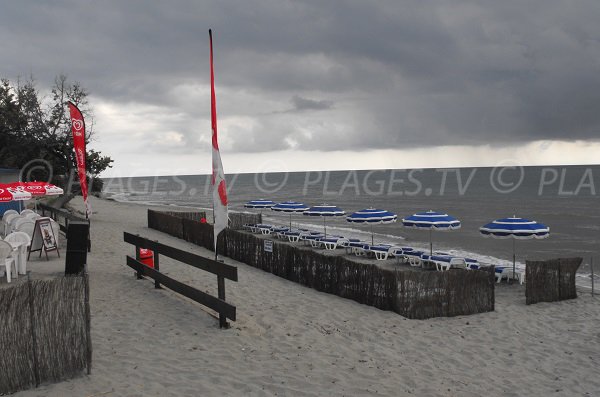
(237, 220)
(551, 280)
(44, 332)
(451, 293)
(413, 294)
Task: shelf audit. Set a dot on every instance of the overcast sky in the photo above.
(322, 84)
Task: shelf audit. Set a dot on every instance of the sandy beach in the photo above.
(289, 340)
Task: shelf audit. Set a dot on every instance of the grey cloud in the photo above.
(400, 73)
(310, 104)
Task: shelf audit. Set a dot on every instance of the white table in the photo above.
(20, 255)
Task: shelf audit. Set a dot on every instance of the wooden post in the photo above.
(89, 242)
(157, 268)
(137, 258)
(221, 288)
(446, 275)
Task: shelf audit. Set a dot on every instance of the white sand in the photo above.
(291, 340)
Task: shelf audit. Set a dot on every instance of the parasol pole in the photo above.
(430, 243)
(514, 257)
(372, 240)
(592, 270)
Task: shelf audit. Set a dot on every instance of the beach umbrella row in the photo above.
(514, 227)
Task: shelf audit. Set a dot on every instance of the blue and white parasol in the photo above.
(431, 220)
(324, 211)
(372, 217)
(289, 207)
(518, 228)
(515, 228)
(262, 203)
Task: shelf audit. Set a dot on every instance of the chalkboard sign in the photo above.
(44, 239)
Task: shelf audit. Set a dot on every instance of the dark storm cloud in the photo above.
(400, 73)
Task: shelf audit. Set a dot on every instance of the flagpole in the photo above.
(218, 182)
(213, 174)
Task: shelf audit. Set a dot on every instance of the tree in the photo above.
(35, 128)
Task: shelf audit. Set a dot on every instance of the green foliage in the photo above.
(35, 128)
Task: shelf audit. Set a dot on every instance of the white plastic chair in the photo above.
(9, 212)
(19, 222)
(33, 216)
(6, 260)
(20, 237)
(27, 211)
(13, 223)
(7, 219)
(27, 227)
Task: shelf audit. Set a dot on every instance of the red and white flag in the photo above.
(78, 130)
(219, 187)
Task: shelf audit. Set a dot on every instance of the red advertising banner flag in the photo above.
(78, 130)
(219, 188)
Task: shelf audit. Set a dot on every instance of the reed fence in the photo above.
(174, 222)
(451, 293)
(412, 294)
(551, 280)
(237, 220)
(44, 332)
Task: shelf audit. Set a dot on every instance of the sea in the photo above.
(564, 198)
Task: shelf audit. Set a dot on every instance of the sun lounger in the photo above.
(380, 251)
(361, 249)
(292, 236)
(257, 227)
(507, 273)
(248, 226)
(321, 240)
(414, 258)
(278, 231)
(262, 229)
(355, 247)
(329, 243)
(502, 272)
(398, 252)
(350, 243)
(309, 237)
(447, 262)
